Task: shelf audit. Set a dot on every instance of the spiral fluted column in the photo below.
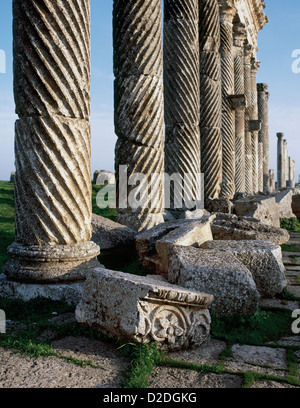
(210, 97)
(255, 125)
(139, 111)
(239, 37)
(227, 13)
(52, 142)
(248, 140)
(263, 135)
(182, 98)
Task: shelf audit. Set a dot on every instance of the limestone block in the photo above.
(70, 292)
(262, 208)
(144, 310)
(189, 232)
(284, 203)
(220, 205)
(237, 229)
(222, 275)
(262, 258)
(109, 234)
(296, 205)
(184, 236)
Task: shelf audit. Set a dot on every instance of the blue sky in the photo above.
(276, 43)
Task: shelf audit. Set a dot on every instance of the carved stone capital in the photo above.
(248, 52)
(238, 102)
(239, 34)
(254, 125)
(255, 64)
(227, 11)
(262, 88)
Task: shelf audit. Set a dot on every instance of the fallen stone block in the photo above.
(195, 234)
(264, 209)
(237, 229)
(220, 205)
(220, 274)
(144, 310)
(179, 232)
(109, 234)
(296, 205)
(262, 258)
(284, 203)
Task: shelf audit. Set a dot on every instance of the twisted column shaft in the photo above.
(52, 142)
(182, 95)
(139, 110)
(239, 35)
(263, 135)
(210, 97)
(254, 133)
(227, 12)
(248, 140)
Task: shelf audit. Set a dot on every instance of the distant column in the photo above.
(291, 182)
(263, 135)
(227, 13)
(286, 161)
(210, 97)
(271, 181)
(255, 124)
(280, 162)
(248, 140)
(239, 38)
(182, 98)
(139, 112)
(53, 193)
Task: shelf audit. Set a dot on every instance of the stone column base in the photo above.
(51, 263)
(70, 292)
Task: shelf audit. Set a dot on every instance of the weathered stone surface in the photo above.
(139, 109)
(279, 304)
(101, 354)
(144, 310)
(52, 142)
(102, 176)
(68, 292)
(262, 258)
(182, 97)
(262, 208)
(222, 275)
(296, 205)
(265, 360)
(220, 205)
(210, 97)
(236, 229)
(163, 377)
(284, 203)
(208, 353)
(109, 234)
(183, 236)
(190, 229)
(18, 371)
(271, 384)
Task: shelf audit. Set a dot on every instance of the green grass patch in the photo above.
(290, 224)
(110, 213)
(143, 357)
(286, 295)
(7, 219)
(290, 248)
(253, 330)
